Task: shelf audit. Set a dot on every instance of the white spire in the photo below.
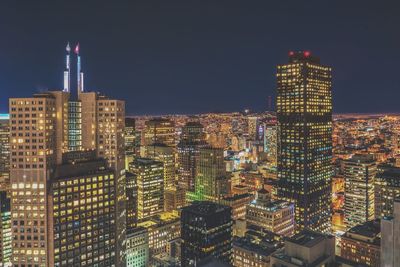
(67, 70)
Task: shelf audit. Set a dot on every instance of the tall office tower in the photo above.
(304, 113)
(33, 125)
(74, 126)
(131, 201)
(191, 140)
(137, 247)
(166, 155)
(5, 230)
(206, 231)
(150, 181)
(103, 127)
(252, 127)
(82, 198)
(390, 238)
(44, 127)
(359, 204)
(387, 189)
(211, 174)
(4, 150)
(174, 198)
(159, 131)
(130, 141)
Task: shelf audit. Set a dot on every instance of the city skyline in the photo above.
(221, 51)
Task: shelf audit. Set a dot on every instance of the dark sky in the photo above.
(197, 56)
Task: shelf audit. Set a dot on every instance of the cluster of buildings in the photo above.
(83, 184)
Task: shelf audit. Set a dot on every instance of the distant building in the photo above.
(306, 248)
(130, 141)
(131, 200)
(166, 155)
(362, 243)
(390, 238)
(150, 181)
(359, 205)
(191, 140)
(304, 113)
(387, 189)
(198, 221)
(5, 230)
(159, 131)
(137, 247)
(276, 216)
(211, 179)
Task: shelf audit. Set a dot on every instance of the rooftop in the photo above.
(308, 238)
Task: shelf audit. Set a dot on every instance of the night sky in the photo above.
(188, 56)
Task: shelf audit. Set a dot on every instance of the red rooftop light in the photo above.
(291, 53)
(307, 53)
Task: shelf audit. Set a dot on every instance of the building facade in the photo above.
(390, 238)
(206, 230)
(387, 189)
(276, 216)
(304, 113)
(150, 182)
(137, 247)
(359, 194)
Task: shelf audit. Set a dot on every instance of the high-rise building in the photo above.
(359, 195)
(137, 247)
(42, 129)
(304, 113)
(159, 131)
(387, 189)
(150, 181)
(131, 201)
(211, 174)
(4, 151)
(130, 141)
(206, 230)
(390, 238)
(191, 140)
(166, 155)
(276, 216)
(33, 122)
(82, 202)
(361, 243)
(5, 230)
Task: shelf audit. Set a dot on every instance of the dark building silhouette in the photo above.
(206, 231)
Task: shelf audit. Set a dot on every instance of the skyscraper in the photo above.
(304, 113)
(206, 231)
(43, 128)
(191, 140)
(166, 155)
(150, 181)
(5, 230)
(4, 149)
(211, 174)
(359, 190)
